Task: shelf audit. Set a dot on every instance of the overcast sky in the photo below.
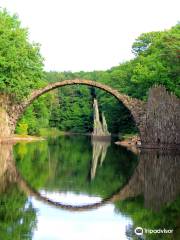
(90, 34)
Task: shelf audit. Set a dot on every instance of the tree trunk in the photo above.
(5, 126)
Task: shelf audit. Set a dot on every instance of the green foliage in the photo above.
(75, 110)
(22, 128)
(37, 115)
(143, 42)
(20, 61)
(146, 218)
(156, 61)
(17, 216)
(65, 163)
(49, 132)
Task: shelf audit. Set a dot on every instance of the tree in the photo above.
(21, 65)
(157, 60)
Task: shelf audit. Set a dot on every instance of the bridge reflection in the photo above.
(156, 178)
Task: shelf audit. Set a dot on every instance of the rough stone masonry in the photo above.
(158, 119)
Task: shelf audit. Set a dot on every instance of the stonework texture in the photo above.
(161, 123)
(158, 119)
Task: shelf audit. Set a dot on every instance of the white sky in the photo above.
(90, 34)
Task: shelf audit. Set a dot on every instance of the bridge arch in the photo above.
(135, 106)
(157, 119)
(131, 188)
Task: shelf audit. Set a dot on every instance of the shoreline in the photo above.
(21, 138)
(132, 143)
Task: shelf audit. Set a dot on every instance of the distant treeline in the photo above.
(156, 61)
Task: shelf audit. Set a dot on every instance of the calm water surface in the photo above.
(70, 188)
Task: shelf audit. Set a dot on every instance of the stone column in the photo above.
(99, 129)
(161, 124)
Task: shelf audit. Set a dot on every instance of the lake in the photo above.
(73, 188)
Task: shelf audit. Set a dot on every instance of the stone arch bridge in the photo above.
(157, 119)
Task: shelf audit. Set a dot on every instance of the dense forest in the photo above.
(156, 61)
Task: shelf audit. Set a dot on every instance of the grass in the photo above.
(50, 132)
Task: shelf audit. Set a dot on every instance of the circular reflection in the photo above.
(74, 164)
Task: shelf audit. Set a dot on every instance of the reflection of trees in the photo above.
(152, 167)
(68, 166)
(17, 216)
(156, 178)
(113, 171)
(99, 154)
(167, 217)
(154, 190)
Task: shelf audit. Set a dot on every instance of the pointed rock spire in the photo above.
(99, 129)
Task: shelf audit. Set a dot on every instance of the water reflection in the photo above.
(128, 193)
(156, 178)
(101, 224)
(161, 180)
(17, 214)
(99, 154)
